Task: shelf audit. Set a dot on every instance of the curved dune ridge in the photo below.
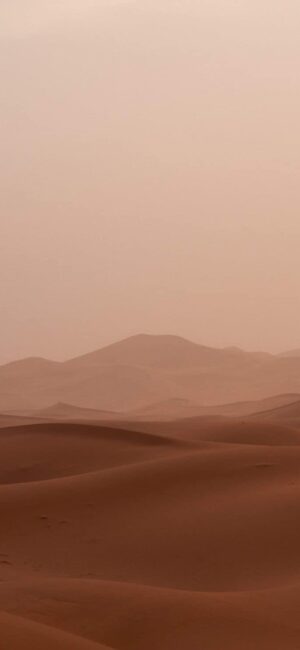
(150, 535)
(22, 634)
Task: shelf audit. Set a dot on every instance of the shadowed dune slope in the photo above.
(49, 450)
(222, 429)
(22, 634)
(134, 617)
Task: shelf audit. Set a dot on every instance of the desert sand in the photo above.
(150, 535)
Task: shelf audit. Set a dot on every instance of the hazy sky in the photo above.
(149, 182)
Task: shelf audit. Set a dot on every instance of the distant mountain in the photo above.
(31, 367)
(290, 353)
(143, 370)
(163, 351)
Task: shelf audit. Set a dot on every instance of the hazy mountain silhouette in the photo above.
(143, 370)
(163, 351)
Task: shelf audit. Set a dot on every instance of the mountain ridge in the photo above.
(143, 369)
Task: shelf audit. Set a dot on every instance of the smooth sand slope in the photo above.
(22, 634)
(37, 452)
(179, 535)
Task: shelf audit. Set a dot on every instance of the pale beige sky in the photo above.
(150, 158)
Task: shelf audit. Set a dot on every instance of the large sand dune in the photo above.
(149, 535)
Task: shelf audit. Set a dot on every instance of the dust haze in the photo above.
(150, 325)
(149, 174)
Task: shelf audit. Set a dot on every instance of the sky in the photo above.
(149, 173)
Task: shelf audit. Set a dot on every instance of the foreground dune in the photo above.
(180, 535)
(22, 634)
(38, 452)
(136, 617)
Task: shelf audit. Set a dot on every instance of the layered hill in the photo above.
(143, 370)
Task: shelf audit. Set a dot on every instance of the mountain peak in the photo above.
(30, 364)
(151, 350)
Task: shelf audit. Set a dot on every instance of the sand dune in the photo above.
(183, 408)
(42, 451)
(22, 634)
(253, 430)
(224, 504)
(11, 420)
(289, 413)
(149, 616)
(168, 410)
(138, 535)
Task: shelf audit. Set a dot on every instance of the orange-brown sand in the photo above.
(146, 535)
